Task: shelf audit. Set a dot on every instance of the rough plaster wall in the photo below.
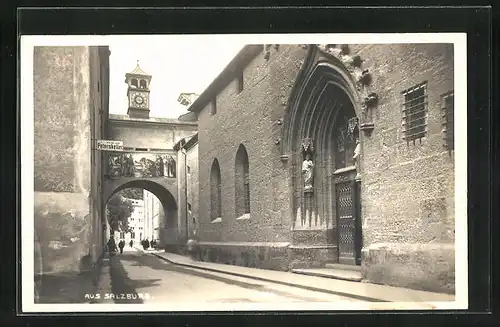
(62, 156)
(407, 189)
(249, 118)
(193, 184)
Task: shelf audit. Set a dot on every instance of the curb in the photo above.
(309, 288)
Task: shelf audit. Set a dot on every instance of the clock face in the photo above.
(138, 99)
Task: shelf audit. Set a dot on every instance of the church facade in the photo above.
(316, 155)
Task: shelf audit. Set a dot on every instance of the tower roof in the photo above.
(138, 71)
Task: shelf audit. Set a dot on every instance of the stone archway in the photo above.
(169, 227)
(321, 135)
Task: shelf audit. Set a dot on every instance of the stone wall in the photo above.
(66, 217)
(249, 118)
(192, 188)
(407, 188)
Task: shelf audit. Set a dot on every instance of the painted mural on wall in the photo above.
(141, 165)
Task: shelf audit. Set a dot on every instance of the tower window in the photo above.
(144, 84)
(213, 107)
(134, 83)
(415, 113)
(447, 110)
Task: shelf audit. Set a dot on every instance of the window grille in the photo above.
(448, 115)
(415, 113)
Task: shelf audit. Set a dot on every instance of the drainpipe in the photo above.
(183, 150)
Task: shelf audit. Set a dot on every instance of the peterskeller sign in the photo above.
(107, 145)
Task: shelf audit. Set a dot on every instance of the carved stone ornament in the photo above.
(356, 61)
(307, 146)
(371, 100)
(367, 128)
(365, 78)
(345, 49)
(267, 51)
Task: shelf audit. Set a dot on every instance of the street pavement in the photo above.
(138, 277)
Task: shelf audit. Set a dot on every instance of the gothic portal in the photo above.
(324, 140)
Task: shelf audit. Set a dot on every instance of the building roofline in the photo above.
(240, 61)
(182, 143)
(125, 119)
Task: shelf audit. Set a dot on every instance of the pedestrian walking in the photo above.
(131, 243)
(121, 245)
(111, 245)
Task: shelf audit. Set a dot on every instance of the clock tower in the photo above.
(138, 92)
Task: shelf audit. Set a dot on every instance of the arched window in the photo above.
(215, 191)
(144, 85)
(242, 182)
(134, 83)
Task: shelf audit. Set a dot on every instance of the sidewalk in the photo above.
(358, 290)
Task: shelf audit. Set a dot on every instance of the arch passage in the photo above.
(322, 133)
(169, 231)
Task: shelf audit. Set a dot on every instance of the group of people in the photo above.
(146, 244)
(113, 248)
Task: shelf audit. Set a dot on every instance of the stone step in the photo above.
(353, 276)
(339, 266)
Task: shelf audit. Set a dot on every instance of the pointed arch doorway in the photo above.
(325, 180)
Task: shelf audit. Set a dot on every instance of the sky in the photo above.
(177, 65)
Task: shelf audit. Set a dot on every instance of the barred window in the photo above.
(215, 191)
(415, 113)
(242, 182)
(447, 109)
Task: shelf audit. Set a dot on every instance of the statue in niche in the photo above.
(307, 172)
(308, 165)
(355, 158)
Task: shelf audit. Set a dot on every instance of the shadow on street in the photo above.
(157, 264)
(124, 288)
